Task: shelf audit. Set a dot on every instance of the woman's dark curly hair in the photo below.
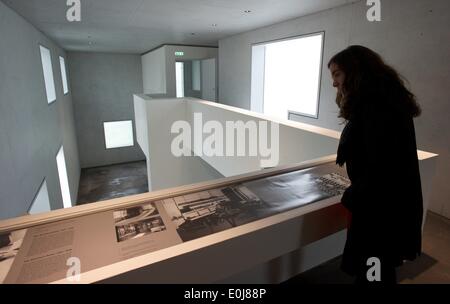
(368, 78)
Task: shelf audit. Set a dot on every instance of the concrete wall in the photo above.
(412, 36)
(103, 87)
(31, 130)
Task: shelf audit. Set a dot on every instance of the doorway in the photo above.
(196, 78)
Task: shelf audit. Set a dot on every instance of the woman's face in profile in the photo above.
(338, 77)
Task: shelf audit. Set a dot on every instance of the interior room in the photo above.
(93, 93)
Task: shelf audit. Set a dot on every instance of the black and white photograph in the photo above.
(295, 189)
(10, 244)
(136, 222)
(333, 183)
(203, 213)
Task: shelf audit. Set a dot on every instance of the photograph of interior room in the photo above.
(90, 91)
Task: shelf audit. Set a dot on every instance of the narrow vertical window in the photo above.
(63, 179)
(179, 75)
(48, 74)
(62, 65)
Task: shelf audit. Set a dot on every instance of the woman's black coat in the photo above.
(379, 149)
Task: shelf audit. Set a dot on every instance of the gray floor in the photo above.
(103, 183)
(433, 266)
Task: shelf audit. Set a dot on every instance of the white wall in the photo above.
(190, 53)
(165, 170)
(297, 142)
(154, 71)
(31, 130)
(158, 66)
(412, 37)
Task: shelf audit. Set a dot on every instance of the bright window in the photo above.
(118, 134)
(179, 77)
(41, 202)
(48, 74)
(62, 65)
(63, 179)
(286, 76)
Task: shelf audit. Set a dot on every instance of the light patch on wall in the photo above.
(63, 179)
(118, 134)
(62, 65)
(41, 202)
(48, 74)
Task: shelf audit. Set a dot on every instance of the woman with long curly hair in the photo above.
(378, 147)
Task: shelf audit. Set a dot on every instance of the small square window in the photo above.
(48, 74)
(118, 134)
(62, 64)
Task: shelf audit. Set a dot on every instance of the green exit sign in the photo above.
(179, 53)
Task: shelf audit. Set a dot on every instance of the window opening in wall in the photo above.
(62, 65)
(48, 74)
(118, 134)
(286, 76)
(41, 202)
(179, 76)
(63, 179)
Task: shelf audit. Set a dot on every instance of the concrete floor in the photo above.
(433, 266)
(103, 183)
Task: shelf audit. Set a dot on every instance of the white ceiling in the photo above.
(136, 26)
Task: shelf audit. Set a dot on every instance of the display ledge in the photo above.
(76, 211)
